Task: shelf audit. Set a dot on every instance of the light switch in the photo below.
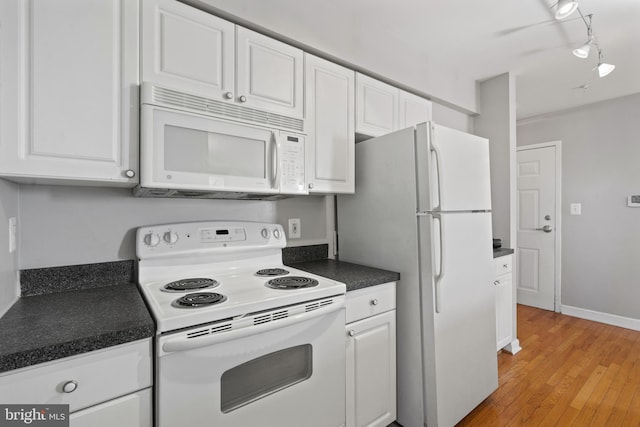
(575, 208)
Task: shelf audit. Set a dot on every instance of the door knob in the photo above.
(546, 229)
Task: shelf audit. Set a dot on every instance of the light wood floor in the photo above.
(570, 372)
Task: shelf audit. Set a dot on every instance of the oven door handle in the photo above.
(180, 342)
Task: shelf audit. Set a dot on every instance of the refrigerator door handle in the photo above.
(438, 277)
(437, 157)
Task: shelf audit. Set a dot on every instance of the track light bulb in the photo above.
(605, 69)
(582, 52)
(565, 8)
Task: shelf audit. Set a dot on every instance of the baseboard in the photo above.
(597, 316)
(513, 347)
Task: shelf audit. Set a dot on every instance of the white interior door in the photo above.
(536, 225)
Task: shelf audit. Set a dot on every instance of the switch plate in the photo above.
(13, 234)
(294, 228)
(575, 208)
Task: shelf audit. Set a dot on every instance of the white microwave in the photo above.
(185, 154)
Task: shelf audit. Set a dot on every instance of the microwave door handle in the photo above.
(274, 161)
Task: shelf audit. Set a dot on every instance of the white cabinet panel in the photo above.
(187, 49)
(376, 106)
(269, 74)
(132, 410)
(413, 110)
(74, 67)
(504, 301)
(371, 371)
(99, 376)
(330, 165)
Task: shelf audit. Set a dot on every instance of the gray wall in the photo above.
(9, 207)
(449, 117)
(600, 168)
(81, 225)
(497, 122)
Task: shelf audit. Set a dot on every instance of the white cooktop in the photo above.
(227, 252)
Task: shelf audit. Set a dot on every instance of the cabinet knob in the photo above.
(129, 173)
(374, 301)
(70, 386)
(352, 333)
(242, 98)
(505, 265)
(310, 185)
(228, 95)
(496, 282)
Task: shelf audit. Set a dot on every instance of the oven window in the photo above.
(265, 375)
(198, 151)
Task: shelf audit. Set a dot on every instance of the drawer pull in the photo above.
(352, 333)
(70, 386)
(496, 282)
(374, 301)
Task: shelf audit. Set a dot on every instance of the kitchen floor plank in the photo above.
(570, 371)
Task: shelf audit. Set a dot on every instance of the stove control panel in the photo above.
(208, 236)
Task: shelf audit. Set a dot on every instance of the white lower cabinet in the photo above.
(109, 387)
(504, 300)
(371, 356)
(132, 410)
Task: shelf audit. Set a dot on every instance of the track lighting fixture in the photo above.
(565, 9)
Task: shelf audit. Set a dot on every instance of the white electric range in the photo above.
(241, 338)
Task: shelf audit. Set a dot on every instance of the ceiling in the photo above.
(478, 40)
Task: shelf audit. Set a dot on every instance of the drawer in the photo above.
(503, 264)
(99, 376)
(370, 301)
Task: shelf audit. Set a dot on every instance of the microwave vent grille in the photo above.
(224, 109)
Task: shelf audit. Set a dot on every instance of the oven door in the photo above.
(285, 372)
(187, 151)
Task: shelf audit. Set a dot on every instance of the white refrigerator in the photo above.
(422, 207)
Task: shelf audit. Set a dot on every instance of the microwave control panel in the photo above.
(291, 163)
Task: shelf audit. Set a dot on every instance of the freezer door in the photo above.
(459, 329)
(453, 170)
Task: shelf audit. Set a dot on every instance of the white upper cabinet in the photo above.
(382, 108)
(185, 48)
(189, 50)
(413, 109)
(69, 91)
(330, 165)
(269, 74)
(376, 106)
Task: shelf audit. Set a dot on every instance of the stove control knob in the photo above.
(151, 239)
(276, 233)
(265, 233)
(170, 237)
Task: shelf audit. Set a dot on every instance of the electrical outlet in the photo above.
(294, 228)
(13, 234)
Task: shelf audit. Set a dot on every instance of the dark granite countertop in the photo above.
(498, 252)
(355, 276)
(50, 326)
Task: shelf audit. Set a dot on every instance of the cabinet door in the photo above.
(376, 106)
(269, 74)
(413, 110)
(330, 165)
(73, 90)
(186, 49)
(371, 371)
(132, 410)
(504, 308)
